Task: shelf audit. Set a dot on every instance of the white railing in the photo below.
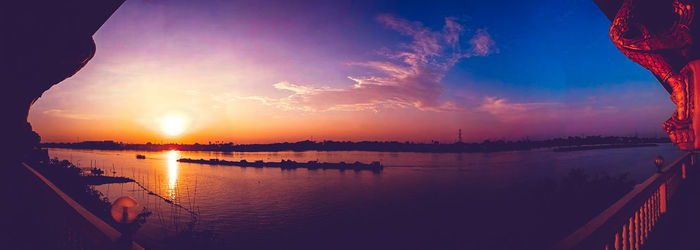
(627, 223)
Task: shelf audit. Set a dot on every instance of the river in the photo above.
(419, 200)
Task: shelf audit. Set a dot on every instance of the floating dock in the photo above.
(289, 164)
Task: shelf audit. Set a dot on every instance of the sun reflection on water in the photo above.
(173, 166)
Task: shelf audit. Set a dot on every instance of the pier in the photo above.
(289, 164)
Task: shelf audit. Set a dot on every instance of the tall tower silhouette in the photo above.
(460, 136)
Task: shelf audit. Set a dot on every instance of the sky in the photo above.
(271, 71)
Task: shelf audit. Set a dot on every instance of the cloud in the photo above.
(65, 114)
(547, 119)
(408, 77)
(536, 112)
(482, 43)
(513, 112)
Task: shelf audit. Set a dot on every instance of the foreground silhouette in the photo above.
(43, 43)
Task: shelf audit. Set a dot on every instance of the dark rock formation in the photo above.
(43, 42)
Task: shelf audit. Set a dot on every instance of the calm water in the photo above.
(420, 200)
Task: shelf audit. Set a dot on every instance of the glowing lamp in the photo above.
(659, 162)
(124, 210)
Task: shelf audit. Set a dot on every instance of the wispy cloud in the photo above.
(408, 77)
(568, 117)
(67, 114)
(513, 112)
(536, 112)
(482, 43)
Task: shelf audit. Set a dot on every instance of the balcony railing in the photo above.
(68, 225)
(627, 223)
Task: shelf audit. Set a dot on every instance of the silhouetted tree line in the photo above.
(379, 146)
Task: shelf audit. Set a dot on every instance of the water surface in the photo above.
(419, 200)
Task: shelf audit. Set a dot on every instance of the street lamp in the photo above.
(125, 212)
(659, 162)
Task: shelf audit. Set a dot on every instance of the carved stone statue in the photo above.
(659, 35)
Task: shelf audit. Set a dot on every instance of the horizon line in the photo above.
(349, 141)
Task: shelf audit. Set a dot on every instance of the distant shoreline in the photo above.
(558, 144)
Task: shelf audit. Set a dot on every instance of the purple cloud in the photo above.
(482, 43)
(408, 77)
(513, 112)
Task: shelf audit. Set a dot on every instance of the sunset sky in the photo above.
(264, 71)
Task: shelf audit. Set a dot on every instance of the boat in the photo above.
(140, 157)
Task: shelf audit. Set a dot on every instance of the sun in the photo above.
(173, 125)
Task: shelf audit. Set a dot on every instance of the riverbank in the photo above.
(78, 184)
(486, 146)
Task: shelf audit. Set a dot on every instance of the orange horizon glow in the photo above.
(161, 77)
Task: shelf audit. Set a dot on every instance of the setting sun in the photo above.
(173, 125)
